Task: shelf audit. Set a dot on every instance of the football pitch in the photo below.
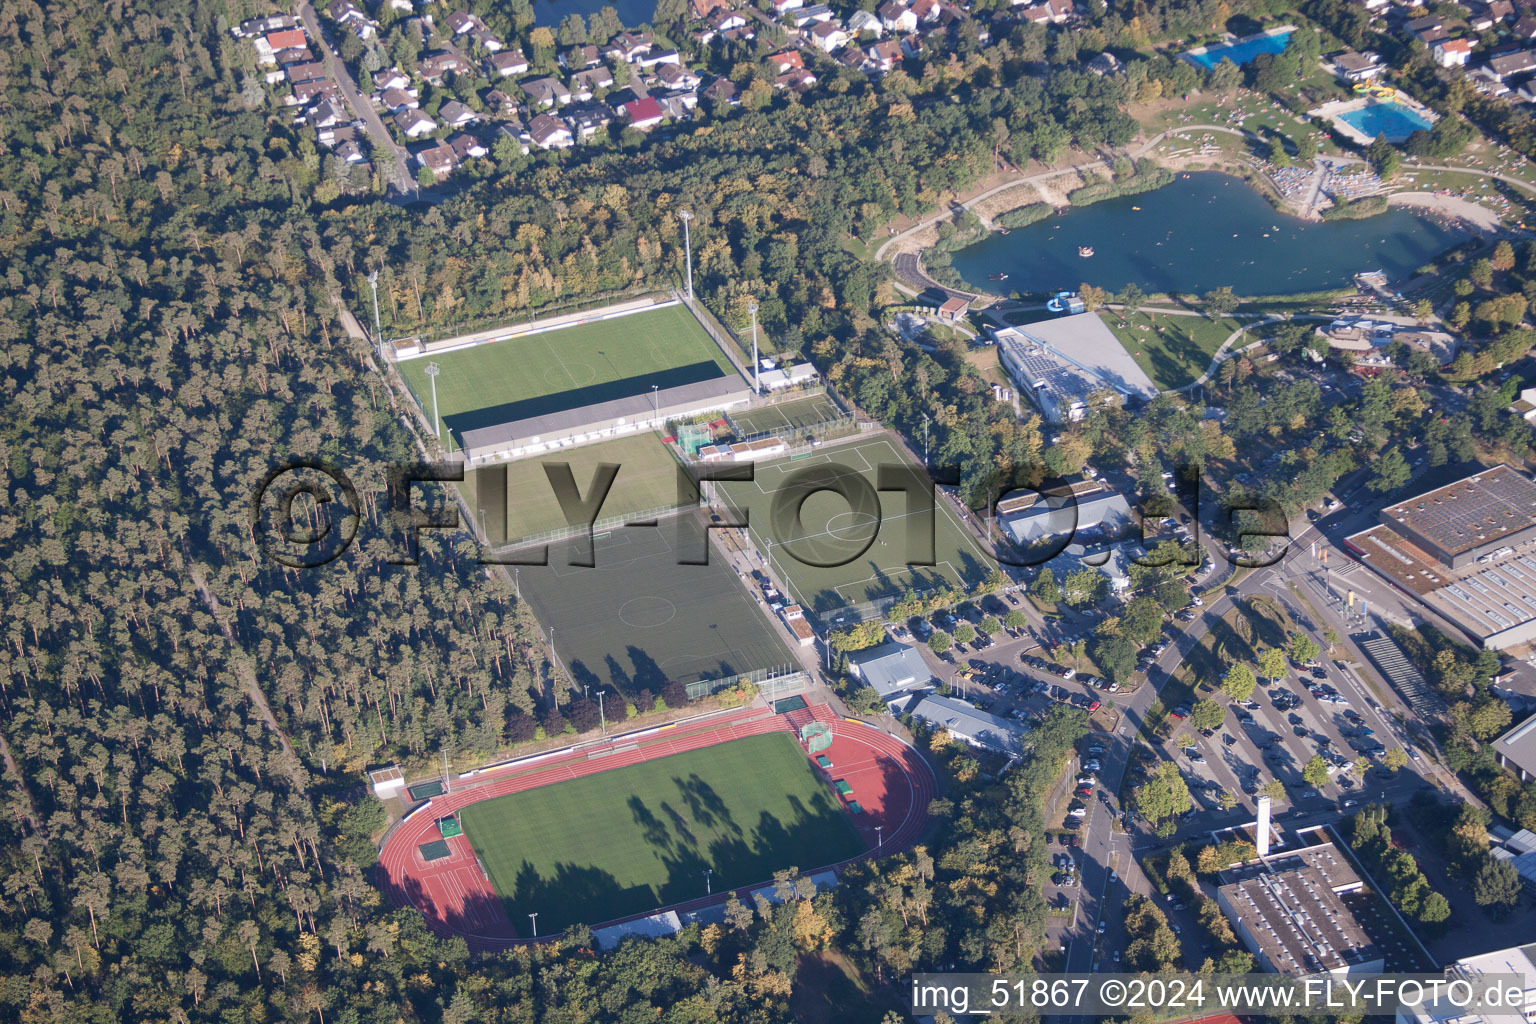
(566, 368)
(647, 479)
(789, 419)
(630, 840)
(830, 529)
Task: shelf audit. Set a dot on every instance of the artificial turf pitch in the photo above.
(636, 838)
(565, 368)
(828, 530)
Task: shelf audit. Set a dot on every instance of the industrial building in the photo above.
(1465, 550)
(1060, 363)
(1292, 910)
(1519, 961)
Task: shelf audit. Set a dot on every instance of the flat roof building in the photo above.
(890, 668)
(1458, 549)
(972, 725)
(1519, 961)
(1059, 363)
(1096, 518)
(1291, 913)
(1516, 749)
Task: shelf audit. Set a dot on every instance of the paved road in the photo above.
(392, 160)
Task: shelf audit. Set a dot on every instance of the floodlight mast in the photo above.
(437, 423)
(686, 216)
(757, 387)
(378, 333)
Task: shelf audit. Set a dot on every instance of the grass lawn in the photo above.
(788, 418)
(817, 568)
(647, 479)
(630, 840)
(1173, 350)
(567, 368)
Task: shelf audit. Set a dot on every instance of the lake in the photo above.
(631, 12)
(1203, 231)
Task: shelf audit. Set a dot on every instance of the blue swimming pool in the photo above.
(1393, 120)
(1241, 52)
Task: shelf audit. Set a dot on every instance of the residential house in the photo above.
(352, 18)
(403, 6)
(328, 113)
(798, 79)
(828, 36)
(725, 19)
(350, 152)
(391, 78)
(488, 40)
(546, 92)
(1104, 64)
(1525, 28)
(1500, 10)
(510, 63)
(439, 159)
(677, 106)
(655, 58)
(413, 124)
(744, 34)
(261, 26)
(334, 135)
(500, 104)
(466, 147)
(852, 58)
(285, 39)
(783, 7)
(701, 9)
(860, 22)
(721, 90)
(1511, 64)
(630, 45)
(518, 132)
(308, 92)
(435, 66)
(396, 100)
(579, 58)
(788, 60)
(927, 11)
(585, 84)
(460, 22)
(643, 114)
(675, 76)
(897, 17)
(884, 55)
(549, 132)
(801, 17)
(311, 72)
(456, 114)
(1052, 12)
(293, 55)
(1359, 67)
(589, 119)
(912, 45)
(1429, 23)
(1452, 53)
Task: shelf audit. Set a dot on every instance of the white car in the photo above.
(1078, 812)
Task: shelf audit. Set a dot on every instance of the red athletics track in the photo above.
(891, 782)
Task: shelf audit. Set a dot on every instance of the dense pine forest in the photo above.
(185, 723)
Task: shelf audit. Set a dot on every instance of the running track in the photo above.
(890, 780)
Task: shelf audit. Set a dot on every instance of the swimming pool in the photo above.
(1240, 52)
(1393, 120)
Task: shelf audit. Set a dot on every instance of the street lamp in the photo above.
(603, 718)
(688, 250)
(708, 889)
(432, 371)
(879, 837)
(534, 917)
(656, 403)
(756, 385)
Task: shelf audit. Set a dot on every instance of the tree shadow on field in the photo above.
(647, 675)
(704, 804)
(651, 827)
(574, 893)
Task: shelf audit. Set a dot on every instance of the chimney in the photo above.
(1263, 829)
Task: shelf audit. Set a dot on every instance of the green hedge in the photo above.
(1148, 176)
(1023, 216)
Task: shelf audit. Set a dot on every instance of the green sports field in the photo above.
(630, 840)
(829, 530)
(789, 419)
(567, 368)
(647, 479)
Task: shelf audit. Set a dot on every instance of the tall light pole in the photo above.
(656, 403)
(432, 371)
(756, 366)
(601, 716)
(879, 837)
(378, 333)
(925, 439)
(708, 888)
(534, 917)
(687, 250)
